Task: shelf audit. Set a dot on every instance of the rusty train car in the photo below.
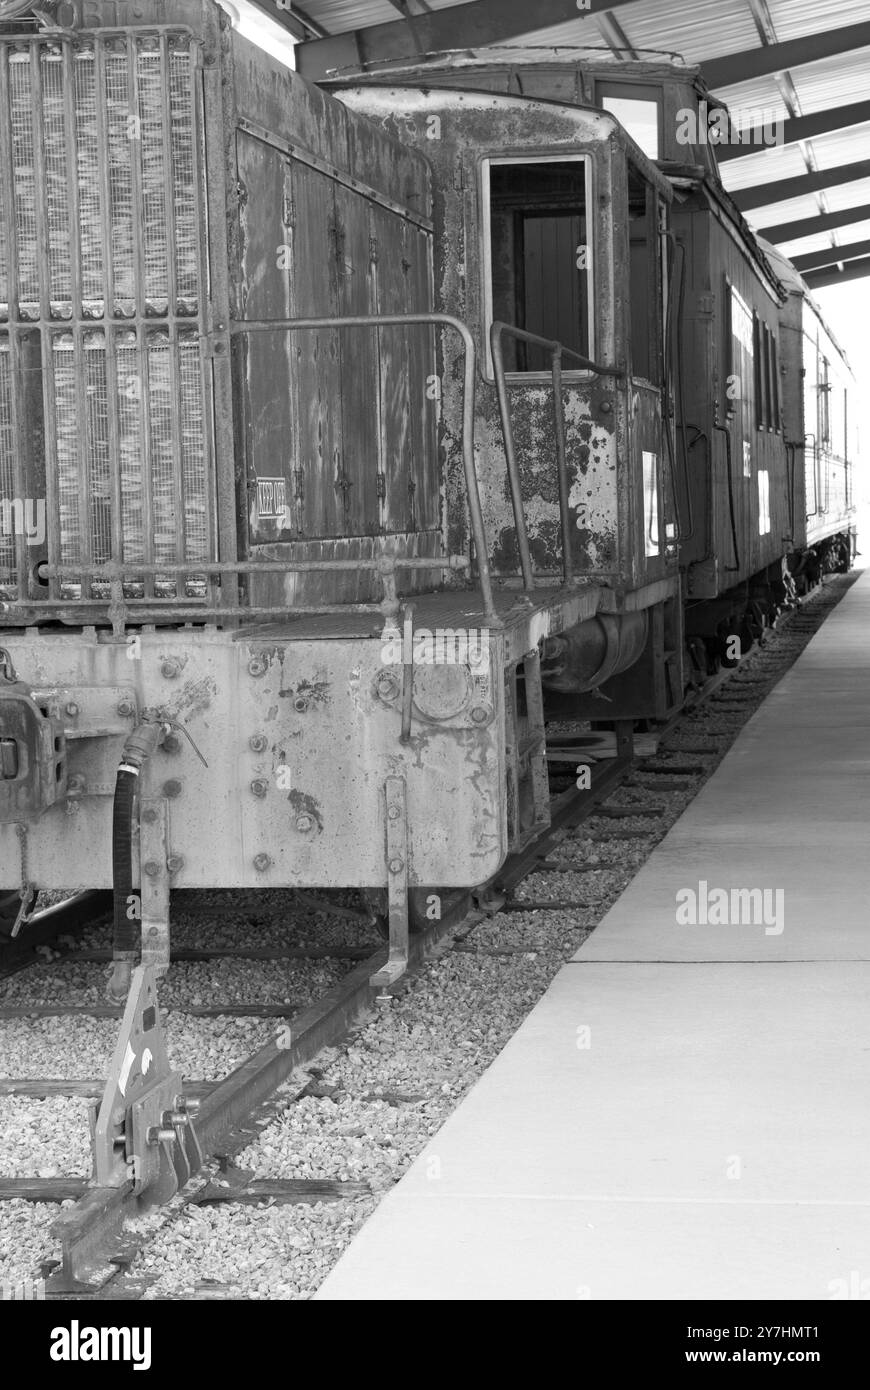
(337, 453)
(756, 433)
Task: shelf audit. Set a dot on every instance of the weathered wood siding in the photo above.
(332, 222)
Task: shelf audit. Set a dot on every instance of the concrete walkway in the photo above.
(686, 1112)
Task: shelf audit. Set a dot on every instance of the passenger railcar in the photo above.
(819, 411)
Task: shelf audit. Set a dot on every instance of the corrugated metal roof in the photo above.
(833, 81)
(706, 29)
(856, 231)
(794, 18)
(339, 16)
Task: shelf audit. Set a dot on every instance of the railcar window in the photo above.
(774, 384)
(824, 401)
(759, 340)
(740, 390)
(766, 376)
(540, 255)
(640, 115)
(643, 293)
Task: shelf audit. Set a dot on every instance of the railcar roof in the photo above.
(600, 125)
(789, 59)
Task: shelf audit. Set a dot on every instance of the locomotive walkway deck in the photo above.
(711, 1140)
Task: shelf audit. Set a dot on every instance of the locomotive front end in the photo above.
(221, 492)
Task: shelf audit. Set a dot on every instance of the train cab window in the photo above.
(638, 110)
(539, 255)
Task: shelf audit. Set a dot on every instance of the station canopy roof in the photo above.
(804, 62)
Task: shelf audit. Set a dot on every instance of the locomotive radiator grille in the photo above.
(104, 407)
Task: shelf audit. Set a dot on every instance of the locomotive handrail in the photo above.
(240, 326)
(147, 609)
(557, 350)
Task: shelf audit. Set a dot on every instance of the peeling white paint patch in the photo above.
(593, 492)
(539, 626)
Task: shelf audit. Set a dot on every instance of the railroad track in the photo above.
(95, 1251)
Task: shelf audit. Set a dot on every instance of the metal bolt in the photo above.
(170, 669)
(172, 787)
(304, 823)
(189, 1106)
(258, 743)
(149, 815)
(72, 709)
(387, 688)
(262, 862)
(174, 863)
(175, 1117)
(300, 704)
(606, 407)
(257, 666)
(156, 1135)
(396, 866)
(75, 785)
(171, 743)
(480, 714)
(259, 786)
(393, 813)
(126, 708)
(152, 868)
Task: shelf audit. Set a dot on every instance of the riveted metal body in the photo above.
(326, 827)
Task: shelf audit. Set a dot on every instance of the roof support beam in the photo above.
(856, 270)
(810, 226)
(474, 25)
(778, 190)
(297, 26)
(831, 255)
(806, 128)
(776, 57)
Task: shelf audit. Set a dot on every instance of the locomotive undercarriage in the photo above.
(721, 630)
(320, 753)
